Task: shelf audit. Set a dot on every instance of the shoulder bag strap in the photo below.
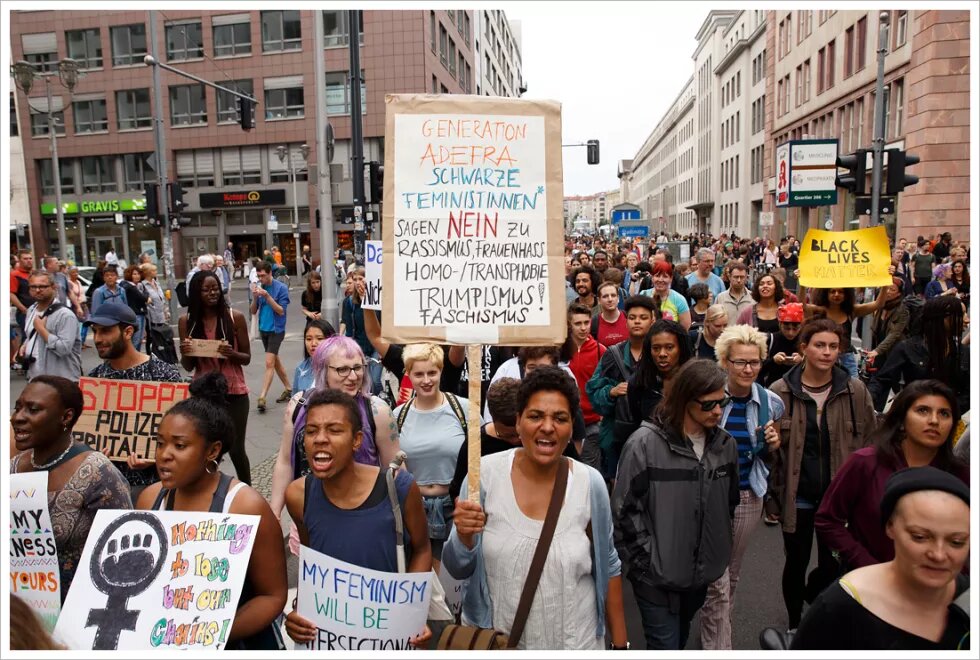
(620, 362)
(540, 555)
(457, 410)
(403, 413)
(396, 511)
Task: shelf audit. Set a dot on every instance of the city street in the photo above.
(759, 601)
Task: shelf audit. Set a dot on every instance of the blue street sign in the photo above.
(634, 232)
(625, 214)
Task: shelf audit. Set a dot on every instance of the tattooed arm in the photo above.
(387, 438)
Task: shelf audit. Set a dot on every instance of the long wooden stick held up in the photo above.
(474, 361)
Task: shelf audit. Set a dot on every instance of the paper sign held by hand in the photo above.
(35, 575)
(845, 259)
(206, 348)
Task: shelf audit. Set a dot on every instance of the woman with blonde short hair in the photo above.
(432, 428)
(704, 338)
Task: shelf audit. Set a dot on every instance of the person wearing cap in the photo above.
(917, 430)
(112, 326)
(784, 350)
(52, 345)
(912, 602)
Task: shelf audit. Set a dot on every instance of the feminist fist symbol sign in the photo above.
(124, 564)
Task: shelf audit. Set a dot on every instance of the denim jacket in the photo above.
(465, 564)
(759, 476)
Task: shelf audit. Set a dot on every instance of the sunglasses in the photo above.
(708, 406)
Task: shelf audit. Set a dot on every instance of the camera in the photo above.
(25, 361)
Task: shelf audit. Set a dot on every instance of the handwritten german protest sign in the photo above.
(158, 580)
(858, 258)
(358, 609)
(123, 415)
(372, 275)
(34, 573)
(473, 221)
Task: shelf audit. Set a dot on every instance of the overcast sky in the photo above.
(614, 67)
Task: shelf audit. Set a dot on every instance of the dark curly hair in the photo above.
(207, 408)
(326, 397)
(777, 294)
(548, 379)
(593, 276)
(195, 308)
(646, 369)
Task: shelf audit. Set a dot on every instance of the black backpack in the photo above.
(914, 304)
(181, 291)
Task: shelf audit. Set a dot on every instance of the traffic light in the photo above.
(898, 180)
(853, 181)
(245, 114)
(593, 151)
(376, 178)
(150, 192)
(176, 195)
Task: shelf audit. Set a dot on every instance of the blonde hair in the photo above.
(715, 312)
(744, 335)
(422, 353)
(146, 268)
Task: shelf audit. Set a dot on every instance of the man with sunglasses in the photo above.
(749, 417)
(675, 495)
(53, 345)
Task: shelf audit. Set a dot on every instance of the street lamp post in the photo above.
(286, 156)
(24, 75)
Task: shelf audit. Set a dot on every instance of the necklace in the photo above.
(50, 464)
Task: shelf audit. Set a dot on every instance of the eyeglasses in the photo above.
(344, 372)
(741, 364)
(708, 406)
(39, 286)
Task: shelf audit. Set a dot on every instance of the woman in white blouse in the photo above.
(492, 542)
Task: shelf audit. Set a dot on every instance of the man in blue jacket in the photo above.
(269, 301)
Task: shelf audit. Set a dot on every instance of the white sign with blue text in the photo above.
(372, 275)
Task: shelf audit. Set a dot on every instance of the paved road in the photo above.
(759, 601)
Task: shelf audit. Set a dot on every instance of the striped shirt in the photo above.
(736, 426)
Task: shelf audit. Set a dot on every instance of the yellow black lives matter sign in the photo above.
(845, 259)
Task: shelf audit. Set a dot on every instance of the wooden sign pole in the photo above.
(474, 361)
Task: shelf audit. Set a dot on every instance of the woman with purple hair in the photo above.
(338, 364)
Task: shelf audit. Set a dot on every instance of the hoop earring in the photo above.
(208, 464)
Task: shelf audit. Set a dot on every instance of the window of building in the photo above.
(281, 31)
(241, 166)
(466, 27)
(41, 50)
(432, 31)
(336, 29)
(443, 45)
(136, 172)
(452, 58)
(283, 102)
(128, 44)
(195, 169)
(859, 109)
(12, 113)
(786, 90)
(184, 41)
(848, 52)
(133, 109)
(232, 35)
(228, 103)
(831, 63)
(799, 84)
(443, 89)
(67, 171)
(187, 105)
(98, 174)
(462, 72)
(279, 169)
(39, 117)
(898, 94)
(821, 69)
(90, 116)
(738, 83)
(901, 27)
(459, 21)
(888, 111)
(806, 81)
(85, 47)
(435, 86)
(338, 93)
(861, 43)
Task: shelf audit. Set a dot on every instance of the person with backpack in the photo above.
(665, 349)
(749, 418)
(338, 364)
(673, 502)
(608, 386)
(704, 337)
(609, 323)
(431, 429)
(345, 508)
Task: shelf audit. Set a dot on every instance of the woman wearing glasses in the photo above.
(674, 535)
(338, 364)
(830, 417)
(750, 419)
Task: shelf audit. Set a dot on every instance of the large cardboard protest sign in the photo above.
(123, 415)
(473, 235)
(372, 275)
(34, 574)
(358, 609)
(845, 259)
(158, 580)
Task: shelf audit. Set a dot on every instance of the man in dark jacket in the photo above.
(675, 496)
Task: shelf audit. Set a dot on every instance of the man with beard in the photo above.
(586, 281)
(600, 261)
(112, 327)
